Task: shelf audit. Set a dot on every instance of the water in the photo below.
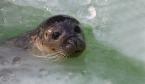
(125, 27)
(115, 44)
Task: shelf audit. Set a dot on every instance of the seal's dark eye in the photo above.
(77, 29)
(55, 35)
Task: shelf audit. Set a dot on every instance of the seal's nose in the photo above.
(75, 45)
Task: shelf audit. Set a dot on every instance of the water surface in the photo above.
(114, 35)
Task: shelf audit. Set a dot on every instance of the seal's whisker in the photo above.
(48, 55)
(63, 56)
(40, 56)
(60, 58)
(53, 54)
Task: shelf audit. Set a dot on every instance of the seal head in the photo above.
(59, 35)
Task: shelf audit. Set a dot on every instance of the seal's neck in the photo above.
(23, 42)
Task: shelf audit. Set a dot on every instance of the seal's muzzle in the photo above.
(74, 45)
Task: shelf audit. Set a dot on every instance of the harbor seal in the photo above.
(59, 35)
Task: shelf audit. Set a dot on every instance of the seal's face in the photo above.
(62, 38)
